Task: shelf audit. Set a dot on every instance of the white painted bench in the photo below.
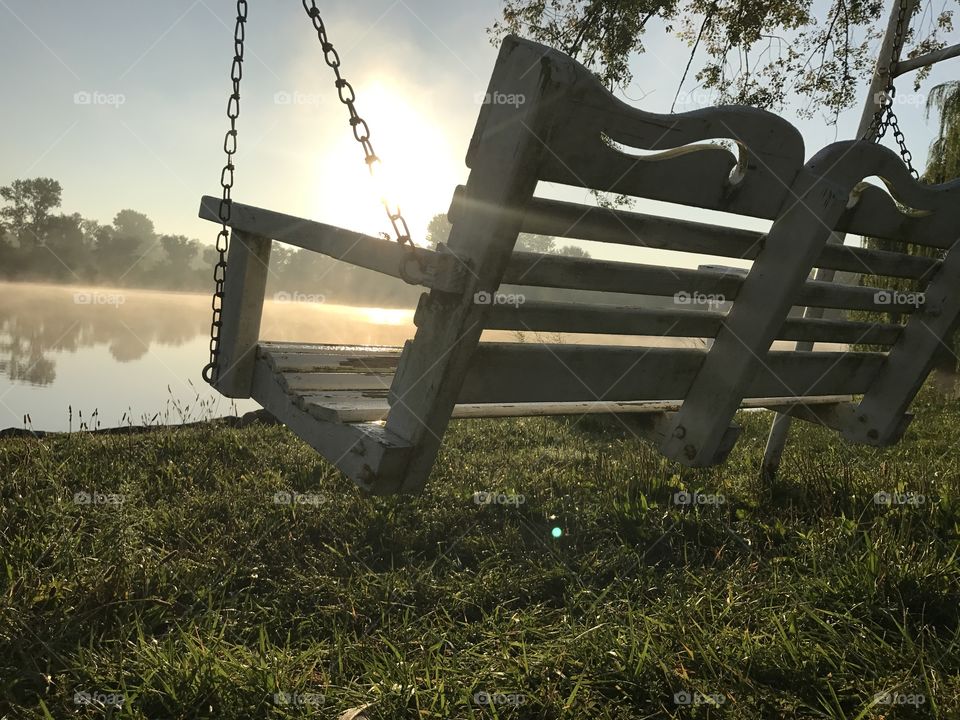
(379, 414)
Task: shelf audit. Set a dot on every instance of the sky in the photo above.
(124, 102)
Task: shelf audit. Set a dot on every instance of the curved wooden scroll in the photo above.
(848, 162)
(710, 176)
(905, 210)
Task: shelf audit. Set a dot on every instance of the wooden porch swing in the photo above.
(379, 414)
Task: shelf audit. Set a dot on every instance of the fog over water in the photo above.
(132, 354)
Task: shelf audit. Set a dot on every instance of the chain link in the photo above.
(361, 131)
(211, 371)
(885, 118)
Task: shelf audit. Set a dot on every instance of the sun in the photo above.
(416, 171)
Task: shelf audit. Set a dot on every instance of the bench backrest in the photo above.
(565, 127)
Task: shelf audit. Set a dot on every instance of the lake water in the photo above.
(118, 356)
(74, 357)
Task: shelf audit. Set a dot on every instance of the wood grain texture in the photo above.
(544, 373)
(349, 407)
(245, 282)
(573, 220)
(527, 372)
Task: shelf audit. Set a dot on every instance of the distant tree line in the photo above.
(37, 243)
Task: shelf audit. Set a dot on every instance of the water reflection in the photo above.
(134, 356)
(37, 321)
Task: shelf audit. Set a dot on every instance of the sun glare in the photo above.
(416, 171)
(388, 316)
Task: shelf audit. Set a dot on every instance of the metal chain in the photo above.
(361, 131)
(212, 369)
(902, 144)
(885, 117)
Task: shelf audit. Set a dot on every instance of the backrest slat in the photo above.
(553, 271)
(557, 218)
(572, 317)
(536, 372)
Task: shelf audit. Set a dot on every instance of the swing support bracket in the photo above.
(915, 63)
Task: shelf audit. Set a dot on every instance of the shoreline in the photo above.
(260, 416)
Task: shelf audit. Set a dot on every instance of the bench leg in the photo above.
(776, 440)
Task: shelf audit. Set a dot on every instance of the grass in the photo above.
(183, 590)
